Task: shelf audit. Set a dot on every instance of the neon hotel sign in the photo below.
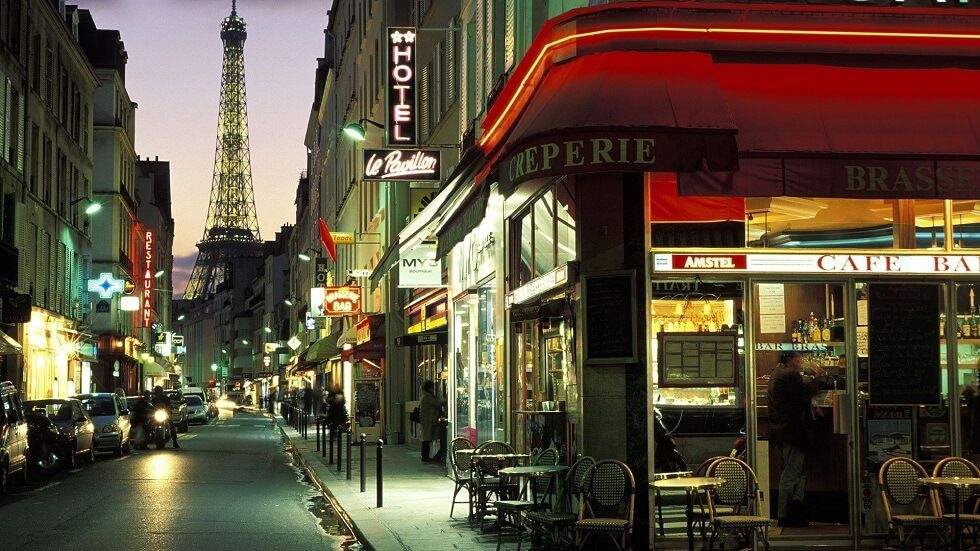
(401, 87)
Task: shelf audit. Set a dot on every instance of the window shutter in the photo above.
(4, 108)
(451, 68)
(21, 124)
(510, 30)
(424, 103)
(478, 89)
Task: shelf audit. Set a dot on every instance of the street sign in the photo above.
(359, 273)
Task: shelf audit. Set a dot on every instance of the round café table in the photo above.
(957, 484)
(534, 471)
(691, 485)
(477, 458)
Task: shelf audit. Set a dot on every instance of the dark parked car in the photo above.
(13, 435)
(46, 444)
(74, 423)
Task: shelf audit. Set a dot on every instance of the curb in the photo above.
(341, 513)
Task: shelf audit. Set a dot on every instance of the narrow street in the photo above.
(231, 485)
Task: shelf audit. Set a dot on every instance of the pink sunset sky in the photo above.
(174, 74)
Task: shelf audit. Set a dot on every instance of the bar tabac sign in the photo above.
(407, 165)
(402, 112)
(879, 264)
(341, 301)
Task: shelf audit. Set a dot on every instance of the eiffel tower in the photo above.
(232, 228)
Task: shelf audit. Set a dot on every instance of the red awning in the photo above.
(667, 206)
(609, 100)
(865, 127)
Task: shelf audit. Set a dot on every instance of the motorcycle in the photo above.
(160, 427)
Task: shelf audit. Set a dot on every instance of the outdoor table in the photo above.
(476, 458)
(691, 485)
(957, 484)
(533, 471)
(664, 476)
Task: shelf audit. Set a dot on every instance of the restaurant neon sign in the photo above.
(146, 290)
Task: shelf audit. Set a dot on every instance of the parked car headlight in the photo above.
(111, 427)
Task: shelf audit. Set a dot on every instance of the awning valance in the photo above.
(153, 369)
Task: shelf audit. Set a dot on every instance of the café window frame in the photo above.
(543, 232)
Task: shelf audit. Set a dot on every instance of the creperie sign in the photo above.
(342, 301)
(880, 264)
(146, 289)
(401, 87)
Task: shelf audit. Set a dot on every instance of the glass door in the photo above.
(803, 445)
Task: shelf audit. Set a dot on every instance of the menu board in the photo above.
(610, 317)
(903, 344)
(697, 359)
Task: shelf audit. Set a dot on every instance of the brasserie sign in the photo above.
(401, 87)
(410, 165)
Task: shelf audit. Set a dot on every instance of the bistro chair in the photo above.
(486, 482)
(512, 509)
(563, 517)
(462, 472)
(606, 504)
(740, 493)
(963, 468)
(905, 502)
(700, 517)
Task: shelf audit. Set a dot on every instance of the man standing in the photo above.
(789, 396)
(430, 409)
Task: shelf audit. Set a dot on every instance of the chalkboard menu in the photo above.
(697, 359)
(903, 344)
(610, 317)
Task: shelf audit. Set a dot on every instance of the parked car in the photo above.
(76, 427)
(46, 446)
(197, 410)
(178, 409)
(210, 410)
(111, 416)
(13, 436)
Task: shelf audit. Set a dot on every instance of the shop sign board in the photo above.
(342, 238)
(609, 330)
(788, 263)
(342, 300)
(473, 258)
(363, 328)
(419, 267)
(129, 303)
(178, 340)
(402, 112)
(146, 291)
(404, 165)
(321, 273)
(554, 279)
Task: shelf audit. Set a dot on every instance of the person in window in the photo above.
(430, 410)
(789, 397)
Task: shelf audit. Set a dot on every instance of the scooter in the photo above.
(160, 427)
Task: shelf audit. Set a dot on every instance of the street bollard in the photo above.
(363, 473)
(306, 425)
(340, 450)
(331, 430)
(381, 479)
(317, 421)
(350, 436)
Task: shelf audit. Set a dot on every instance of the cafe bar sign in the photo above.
(335, 301)
(402, 85)
(407, 165)
(849, 263)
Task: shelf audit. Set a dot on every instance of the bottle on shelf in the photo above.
(814, 328)
(942, 326)
(825, 330)
(795, 335)
(974, 323)
(967, 327)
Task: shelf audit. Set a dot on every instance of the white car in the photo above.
(111, 417)
(197, 410)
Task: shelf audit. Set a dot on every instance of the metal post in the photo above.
(350, 436)
(331, 430)
(306, 425)
(363, 474)
(340, 448)
(317, 421)
(381, 479)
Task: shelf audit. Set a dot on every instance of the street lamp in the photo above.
(214, 368)
(355, 130)
(92, 207)
(305, 256)
(181, 317)
(159, 273)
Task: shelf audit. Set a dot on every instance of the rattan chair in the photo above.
(563, 517)
(740, 492)
(606, 504)
(486, 482)
(901, 491)
(957, 466)
(462, 476)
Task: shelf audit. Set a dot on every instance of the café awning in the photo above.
(8, 345)
(859, 127)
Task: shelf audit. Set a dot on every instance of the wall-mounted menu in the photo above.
(903, 344)
(610, 318)
(697, 359)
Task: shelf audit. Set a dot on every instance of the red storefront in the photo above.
(657, 115)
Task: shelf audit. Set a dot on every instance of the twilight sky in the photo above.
(174, 74)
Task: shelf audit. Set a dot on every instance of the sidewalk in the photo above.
(417, 496)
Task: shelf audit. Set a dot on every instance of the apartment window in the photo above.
(9, 218)
(49, 77)
(424, 114)
(35, 156)
(46, 171)
(36, 63)
(452, 69)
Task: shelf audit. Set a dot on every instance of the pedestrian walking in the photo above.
(336, 408)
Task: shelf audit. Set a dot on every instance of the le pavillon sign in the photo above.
(409, 165)
(402, 112)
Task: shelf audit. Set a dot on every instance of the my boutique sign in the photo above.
(410, 165)
(402, 87)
